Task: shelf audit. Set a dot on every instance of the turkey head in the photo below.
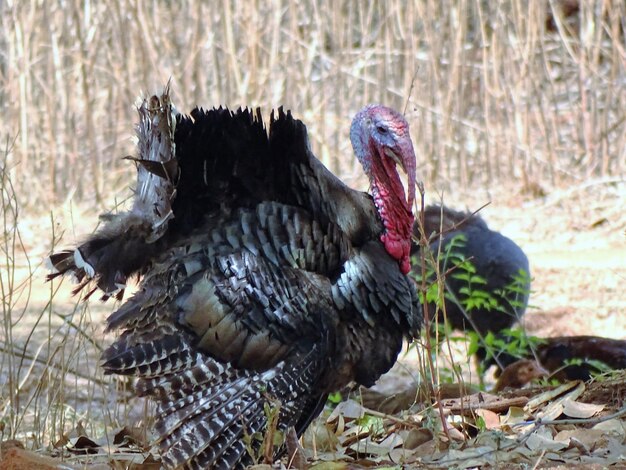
(381, 141)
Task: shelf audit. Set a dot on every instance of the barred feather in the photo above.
(266, 283)
(209, 411)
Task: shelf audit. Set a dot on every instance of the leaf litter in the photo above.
(531, 428)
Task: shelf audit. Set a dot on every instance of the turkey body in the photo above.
(569, 357)
(496, 258)
(271, 285)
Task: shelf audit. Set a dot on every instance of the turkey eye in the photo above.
(381, 129)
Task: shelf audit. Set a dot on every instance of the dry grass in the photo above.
(490, 92)
(494, 98)
(49, 379)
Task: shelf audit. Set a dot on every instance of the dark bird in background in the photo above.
(567, 357)
(496, 259)
(266, 283)
(499, 261)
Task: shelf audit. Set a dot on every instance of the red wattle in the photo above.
(405, 265)
(399, 249)
(396, 216)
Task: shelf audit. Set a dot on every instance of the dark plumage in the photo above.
(495, 257)
(265, 280)
(568, 357)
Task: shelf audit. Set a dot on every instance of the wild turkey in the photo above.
(266, 282)
(496, 258)
(565, 357)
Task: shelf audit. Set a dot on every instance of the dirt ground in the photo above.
(575, 240)
(576, 243)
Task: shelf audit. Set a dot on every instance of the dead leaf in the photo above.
(470, 457)
(491, 419)
(466, 405)
(554, 457)
(455, 434)
(613, 426)
(339, 455)
(575, 409)
(319, 437)
(515, 415)
(389, 403)
(130, 436)
(125, 461)
(368, 446)
(555, 408)
(417, 437)
(577, 445)
(393, 440)
(542, 439)
(330, 466)
(551, 411)
(72, 436)
(83, 445)
(428, 449)
(588, 437)
(295, 452)
(341, 425)
(550, 395)
(349, 409)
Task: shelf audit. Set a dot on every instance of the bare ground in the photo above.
(575, 240)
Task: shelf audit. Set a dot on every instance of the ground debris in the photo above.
(533, 428)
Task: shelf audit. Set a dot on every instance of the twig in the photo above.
(592, 421)
(11, 349)
(543, 452)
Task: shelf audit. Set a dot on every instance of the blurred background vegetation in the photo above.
(527, 93)
(522, 98)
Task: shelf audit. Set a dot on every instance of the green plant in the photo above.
(514, 342)
(473, 295)
(452, 262)
(334, 398)
(262, 444)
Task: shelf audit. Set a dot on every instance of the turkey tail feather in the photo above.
(211, 414)
(126, 242)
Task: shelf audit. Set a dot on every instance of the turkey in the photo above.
(496, 258)
(266, 283)
(566, 357)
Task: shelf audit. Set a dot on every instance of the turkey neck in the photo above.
(393, 209)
